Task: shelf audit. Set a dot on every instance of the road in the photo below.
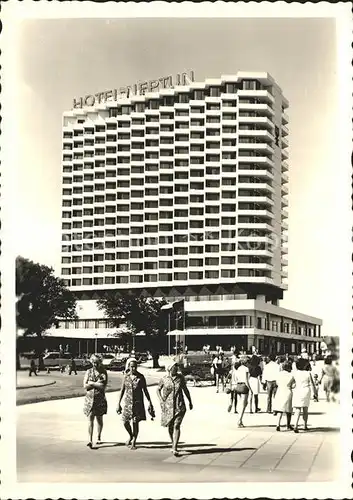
(52, 437)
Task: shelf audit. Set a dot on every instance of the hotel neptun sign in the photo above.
(165, 82)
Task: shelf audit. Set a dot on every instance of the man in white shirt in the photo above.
(269, 380)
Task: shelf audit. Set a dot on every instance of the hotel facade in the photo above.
(182, 194)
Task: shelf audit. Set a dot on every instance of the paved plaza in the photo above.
(52, 437)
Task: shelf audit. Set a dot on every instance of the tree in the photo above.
(141, 314)
(42, 300)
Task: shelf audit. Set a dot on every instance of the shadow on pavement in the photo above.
(323, 429)
(166, 444)
(218, 450)
(107, 445)
(251, 426)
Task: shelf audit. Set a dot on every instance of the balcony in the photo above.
(255, 252)
(261, 108)
(254, 225)
(256, 159)
(256, 213)
(256, 279)
(258, 265)
(256, 185)
(285, 118)
(265, 135)
(256, 199)
(267, 174)
(263, 94)
(285, 130)
(257, 146)
(244, 240)
(251, 120)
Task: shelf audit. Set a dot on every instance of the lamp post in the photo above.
(168, 308)
(96, 343)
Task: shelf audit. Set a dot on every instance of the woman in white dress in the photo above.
(302, 391)
(284, 395)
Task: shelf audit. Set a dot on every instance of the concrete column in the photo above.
(252, 341)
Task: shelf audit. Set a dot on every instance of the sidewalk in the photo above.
(52, 445)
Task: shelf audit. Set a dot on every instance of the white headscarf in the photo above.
(170, 365)
(128, 363)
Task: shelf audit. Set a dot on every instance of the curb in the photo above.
(35, 386)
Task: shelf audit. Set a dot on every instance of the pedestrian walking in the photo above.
(282, 402)
(269, 377)
(95, 403)
(32, 368)
(234, 358)
(219, 366)
(72, 367)
(329, 375)
(134, 388)
(171, 391)
(255, 373)
(243, 386)
(302, 392)
(233, 379)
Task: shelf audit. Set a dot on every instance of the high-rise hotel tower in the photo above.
(182, 193)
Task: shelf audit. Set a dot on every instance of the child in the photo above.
(233, 378)
(284, 395)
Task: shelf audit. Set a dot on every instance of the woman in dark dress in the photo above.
(255, 373)
(95, 404)
(171, 390)
(133, 410)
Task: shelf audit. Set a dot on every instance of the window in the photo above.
(180, 251)
(180, 226)
(199, 95)
(196, 249)
(212, 274)
(151, 265)
(214, 91)
(228, 273)
(166, 240)
(180, 276)
(149, 278)
(199, 134)
(136, 266)
(193, 275)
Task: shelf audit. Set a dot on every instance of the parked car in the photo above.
(57, 359)
(107, 359)
(117, 365)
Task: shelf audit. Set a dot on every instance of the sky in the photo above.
(59, 60)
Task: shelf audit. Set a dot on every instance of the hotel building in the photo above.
(182, 193)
